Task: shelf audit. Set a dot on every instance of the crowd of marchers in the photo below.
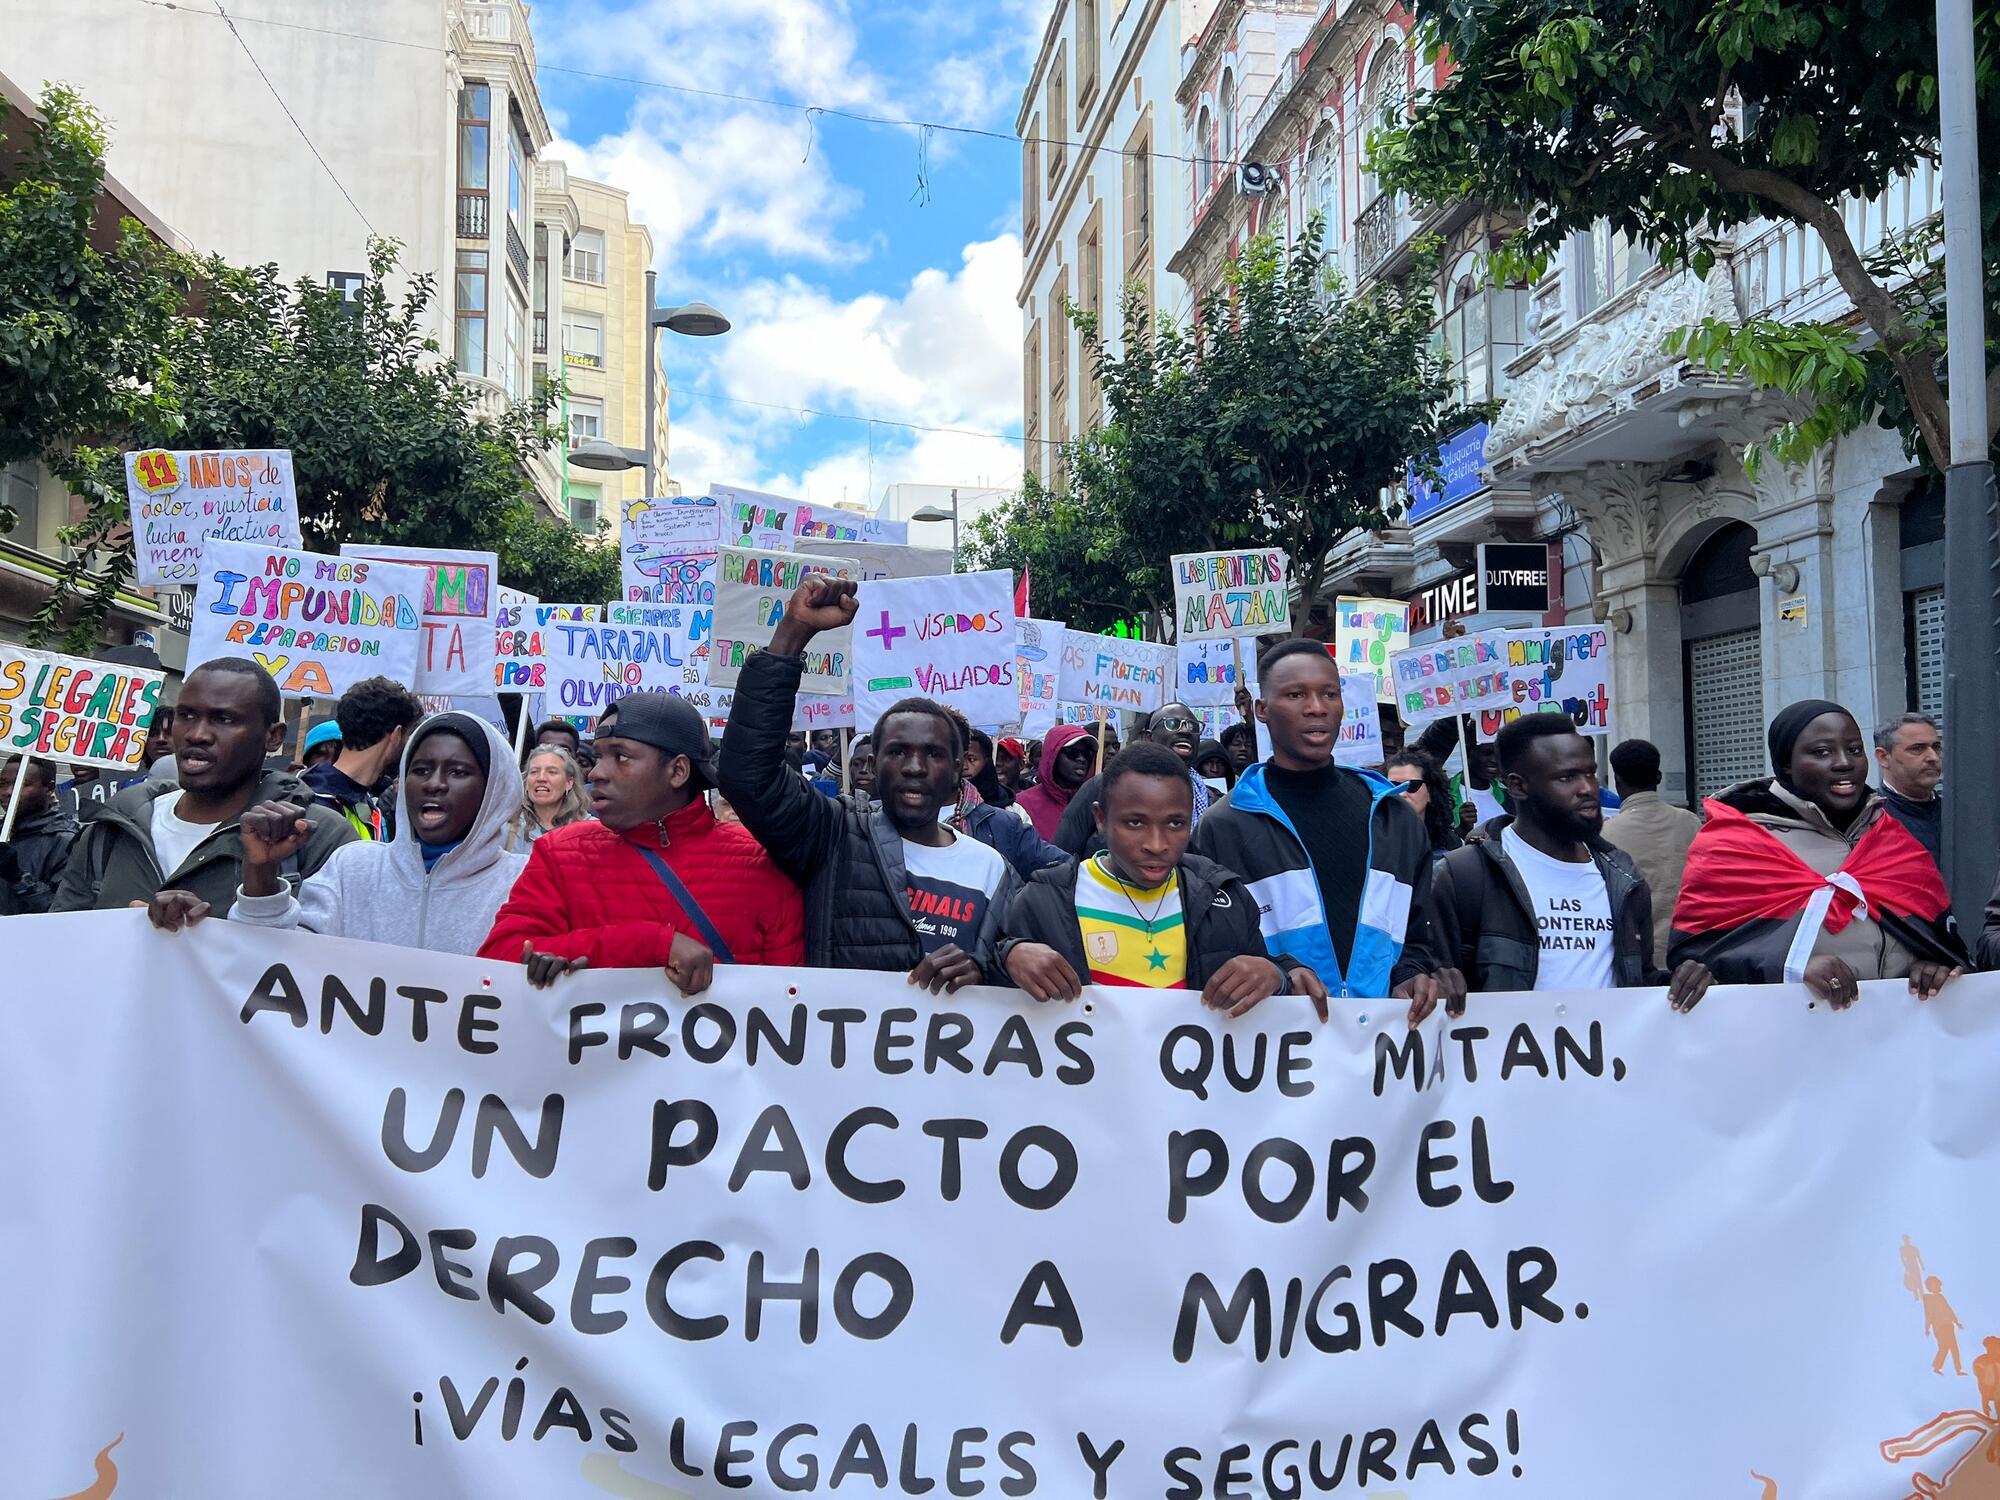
(1241, 869)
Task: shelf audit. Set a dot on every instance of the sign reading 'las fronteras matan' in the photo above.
(1218, 595)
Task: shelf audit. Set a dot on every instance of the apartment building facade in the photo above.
(295, 144)
(603, 344)
(1103, 202)
(1726, 594)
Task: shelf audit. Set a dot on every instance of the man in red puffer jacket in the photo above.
(655, 882)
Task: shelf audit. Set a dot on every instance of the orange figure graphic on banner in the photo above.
(1770, 1485)
(107, 1475)
(1986, 1370)
(1942, 1324)
(1913, 1269)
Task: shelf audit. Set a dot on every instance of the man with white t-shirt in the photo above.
(186, 836)
(887, 884)
(1545, 903)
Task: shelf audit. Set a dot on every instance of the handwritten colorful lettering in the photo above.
(1565, 669)
(752, 587)
(950, 638)
(1458, 676)
(1218, 595)
(74, 710)
(1366, 633)
(180, 499)
(455, 656)
(1107, 671)
(660, 541)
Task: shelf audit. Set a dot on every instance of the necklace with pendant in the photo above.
(1149, 923)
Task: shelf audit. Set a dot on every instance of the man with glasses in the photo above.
(1174, 726)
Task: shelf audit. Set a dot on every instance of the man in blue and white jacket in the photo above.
(1338, 862)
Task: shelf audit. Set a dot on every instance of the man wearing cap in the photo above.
(653, 881)
(322, 743)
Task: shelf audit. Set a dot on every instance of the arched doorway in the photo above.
(1722, 652)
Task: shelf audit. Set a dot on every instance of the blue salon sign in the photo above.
(1459, 461)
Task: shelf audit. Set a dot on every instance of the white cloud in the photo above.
(943, 353)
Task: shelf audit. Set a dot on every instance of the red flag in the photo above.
(1021, 597)
(1739, 871)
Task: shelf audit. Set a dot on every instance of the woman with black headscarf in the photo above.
(1805, 877)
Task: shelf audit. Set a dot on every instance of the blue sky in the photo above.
(851, 290)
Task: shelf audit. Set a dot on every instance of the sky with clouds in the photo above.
(869, 270)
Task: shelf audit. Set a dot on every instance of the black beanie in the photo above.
(1790, 724)
(467, 728)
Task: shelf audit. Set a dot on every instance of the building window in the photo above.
(1226, 106)
(1058, 345)
(1384, 101)
(1031, 178)
(517, 350)
(518, 192)
(20, 488)
(1090, 297)
(1086, 53)
(586, 420)
(1138, 216)
(1031, 395)
(585, 503)
(1204, 161)
(1058, 112)
(1480, 330)
(475, 122)
(1608, 264)
(583, 340)
(585, 261)
(469, 341)
(1322, 187)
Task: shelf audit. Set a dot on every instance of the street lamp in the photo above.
(936, 513)
(606, 456)
(695, 320)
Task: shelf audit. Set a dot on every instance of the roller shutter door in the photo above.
(1726, 696)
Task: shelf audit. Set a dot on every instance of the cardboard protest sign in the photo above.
(1220, 595)
(1111, 672)
(180, 499)
(1562, 669)
(73, 710)
(752, 587)
(888, 559)
(685, 631)
(521, 641)
(948, 638)
(591, 663)
(812, 711)
(1206, 672)
(813, 524)
(1457, 676)
(658, 538)
(1037, 669)
(751, 518)
(1359, 742)
(378, 1173)
(318, 624)
(461, 593)
(1366, 634)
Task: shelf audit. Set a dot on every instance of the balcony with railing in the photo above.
(517, 254)
(1281, 90)
(500, 23)
(1782, 271)
(1380, 230)
(473, 206)
(541, 333)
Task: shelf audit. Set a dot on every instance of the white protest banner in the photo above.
(685, 628)
(1359, 742)
(1222, 595)
(593, 663)
(752, 587)
(1458, 676)
(1366, 633)
(530, 663)
(1562, 669)
(1037, 667)
(74, 710)
(699, 1247)
(812, 711)
(1206, 672)
(1113, 672)
(318, 624)
(751, 518)
(813, 524)
(180, 499)
(948, 638)
(517, 646)
(657, 541)
(455, 652)
(888, 559)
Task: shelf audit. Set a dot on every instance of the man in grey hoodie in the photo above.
(436, 884)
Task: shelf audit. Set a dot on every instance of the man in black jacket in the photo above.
(1145, 913)
(1544, 902)
(32, 860)
(888, 886)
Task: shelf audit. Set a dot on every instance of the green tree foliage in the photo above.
(388, 446)
(1681, 120)
(1285, 415)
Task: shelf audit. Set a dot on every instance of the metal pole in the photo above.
(14, 800)
(652, 359)
(1972, 673)
(954, 530)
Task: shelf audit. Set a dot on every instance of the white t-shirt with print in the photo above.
(1572, 910)
(174, 839)
(950, 888)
